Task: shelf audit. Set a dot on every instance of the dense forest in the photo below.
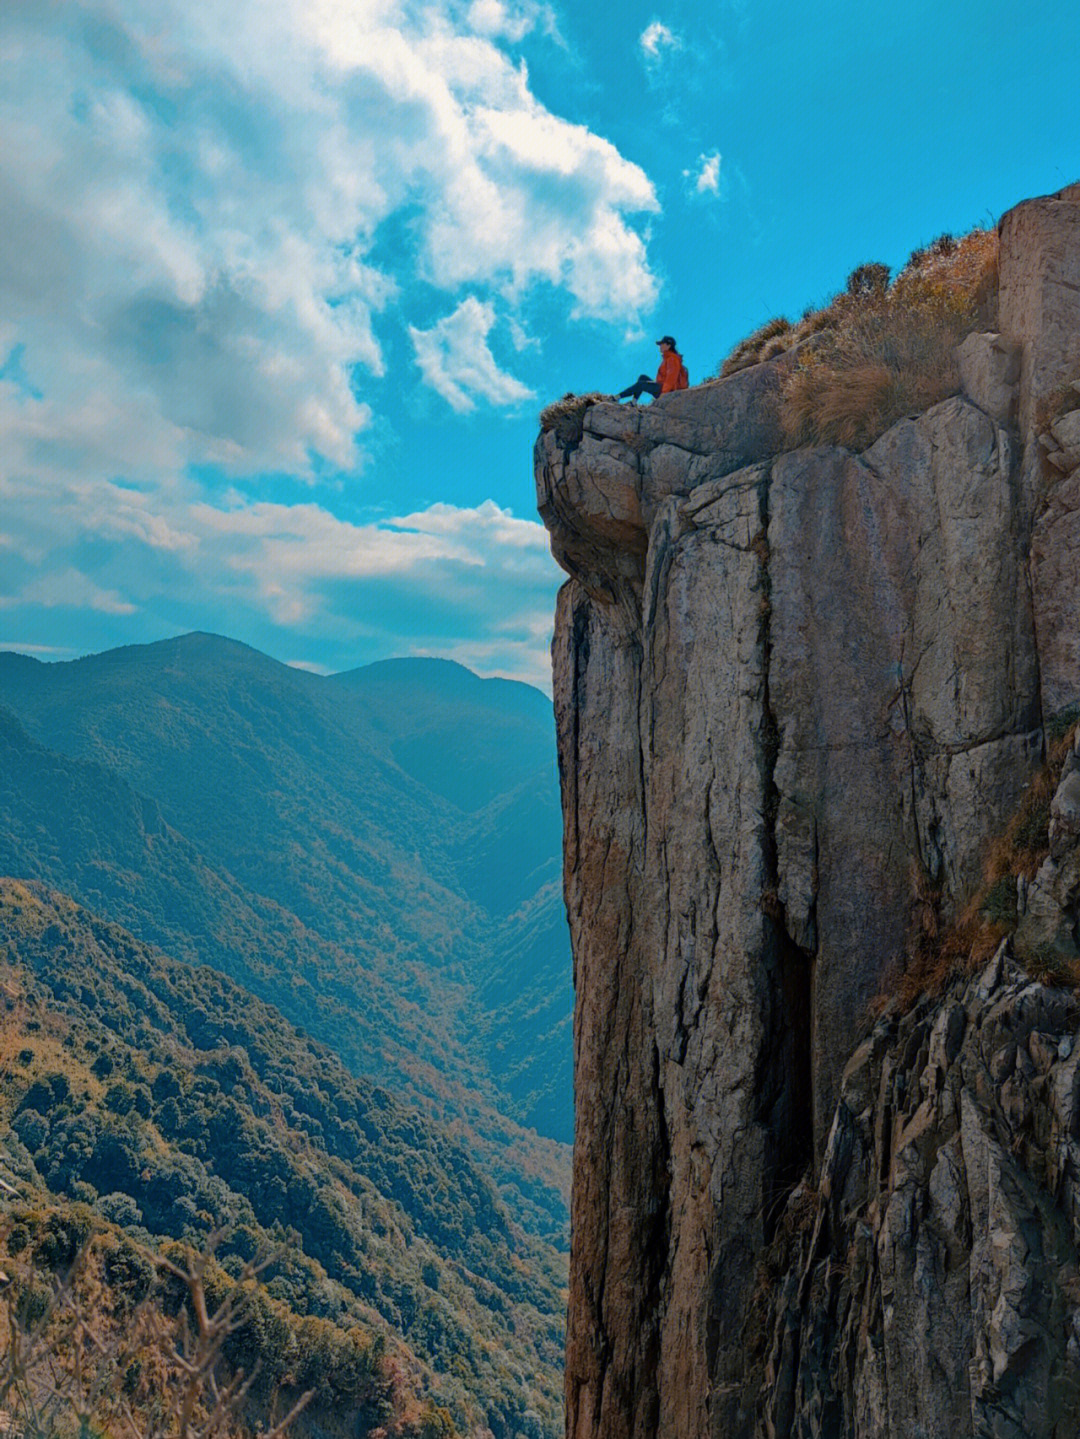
(162, 1101)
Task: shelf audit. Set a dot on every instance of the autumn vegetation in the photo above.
(100, 1335)
(881, 348)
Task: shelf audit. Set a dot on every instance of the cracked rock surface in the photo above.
(795, 693)
(934, 1289)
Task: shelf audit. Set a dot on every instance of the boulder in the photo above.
(1066, 430)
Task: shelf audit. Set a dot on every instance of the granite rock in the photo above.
(797, 695)
(932, 1286)
(1039, 310)
(990, 374)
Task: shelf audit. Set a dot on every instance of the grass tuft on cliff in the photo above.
(879, 350)
(566, 416)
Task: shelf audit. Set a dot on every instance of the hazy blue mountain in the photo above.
(488, 746)
(377, 852)
(467, 739)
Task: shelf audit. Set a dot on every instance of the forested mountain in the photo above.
(171, 1103)
(377, 853)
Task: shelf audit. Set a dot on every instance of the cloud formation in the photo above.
(193, 195)
(435, 580)
(68, 588)
(289, 550)
(455, 359)
(656, 39)
(223, 225)
(706, 179)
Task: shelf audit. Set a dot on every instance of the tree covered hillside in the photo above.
(376, 853)
(173, 1104)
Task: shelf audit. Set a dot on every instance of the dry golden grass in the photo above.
(566, 416)
(1051, 968)
(878, 351)
(770, 337)
(890, 351)
(966, 268)
(886, 362)
(834, 404)
(77, 1358)
(946, 952)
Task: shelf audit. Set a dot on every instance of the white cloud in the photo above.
(657, 38)
(706, 179)
(455, 359)
(493, 18)
(193, 195)
(22, 648)
(708, 175)
(69, 589)
(288, 549)
(520, 337)
(497, 526)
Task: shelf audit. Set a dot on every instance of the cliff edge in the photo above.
(798, 693)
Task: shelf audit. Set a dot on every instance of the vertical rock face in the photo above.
(796, 694)
(619, 1186)
(1040, 308)
(934, 1290)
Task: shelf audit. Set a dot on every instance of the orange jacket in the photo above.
(671, 374)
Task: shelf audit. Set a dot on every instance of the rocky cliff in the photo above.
(798, 692)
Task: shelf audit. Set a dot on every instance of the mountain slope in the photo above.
(322, 798)
(78, 826)
(175, 1104)
(487, 746)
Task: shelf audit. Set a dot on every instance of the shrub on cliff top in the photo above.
(870, 279)
(566, 416)
(890, 350)
(877, 350)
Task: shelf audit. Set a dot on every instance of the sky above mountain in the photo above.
(283, 286)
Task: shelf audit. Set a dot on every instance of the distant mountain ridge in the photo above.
(376, 853)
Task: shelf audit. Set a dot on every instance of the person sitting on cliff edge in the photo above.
(670, 376)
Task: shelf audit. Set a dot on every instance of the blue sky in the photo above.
(284, 285)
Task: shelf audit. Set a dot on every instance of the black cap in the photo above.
(667, 340)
